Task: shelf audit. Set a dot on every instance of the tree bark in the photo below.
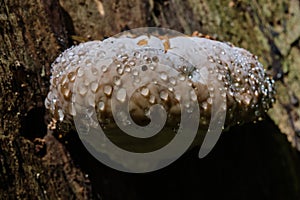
(253, 161)
(32, 35)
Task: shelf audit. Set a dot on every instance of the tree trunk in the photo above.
(253, 161)
(32, 35)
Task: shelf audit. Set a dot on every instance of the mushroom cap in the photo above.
(148, 70)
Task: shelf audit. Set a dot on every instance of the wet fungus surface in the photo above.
(142, 100)
(100, 67)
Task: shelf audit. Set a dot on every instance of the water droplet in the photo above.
(147, 59)
(104, 68)
(107, 90)
(181, 77)
(94, 70)
(120, 70)
(61, 115)
(231, 93)
(82, 89)
(172, 81)
(135, 72)
(80, 53)
(72, 76)
(54, 81)
(66, 92)
(155, 59)
(88, 62)
(117, 80)
(63, 60)
(121, 94)
(163, 76)
(145, 91)
(152, 99)
(71, 53)
(132, 63)
(185, 69)
(171, 89)
(220, 77)
(137, 54)
(144, 68)
(101, 54)
(137, 79)
(91, 100)
(80, 72)
(211, 59)
(246, 99)
(101, 106)
(53, 104)
(209, 100)
(164, 95)
(204, 105)
(86, 82)
(177, 96)
(127, 68)
(94, 86)
(124, 57)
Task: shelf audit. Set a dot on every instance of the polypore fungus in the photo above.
(166, 85)
(101, 67)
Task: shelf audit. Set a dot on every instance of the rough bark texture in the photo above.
(32, 35)
(254, 161)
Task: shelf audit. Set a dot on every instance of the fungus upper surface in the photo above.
(101, 67)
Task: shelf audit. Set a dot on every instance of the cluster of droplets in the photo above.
(249, 90)
(101, 68)
(147, 72)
